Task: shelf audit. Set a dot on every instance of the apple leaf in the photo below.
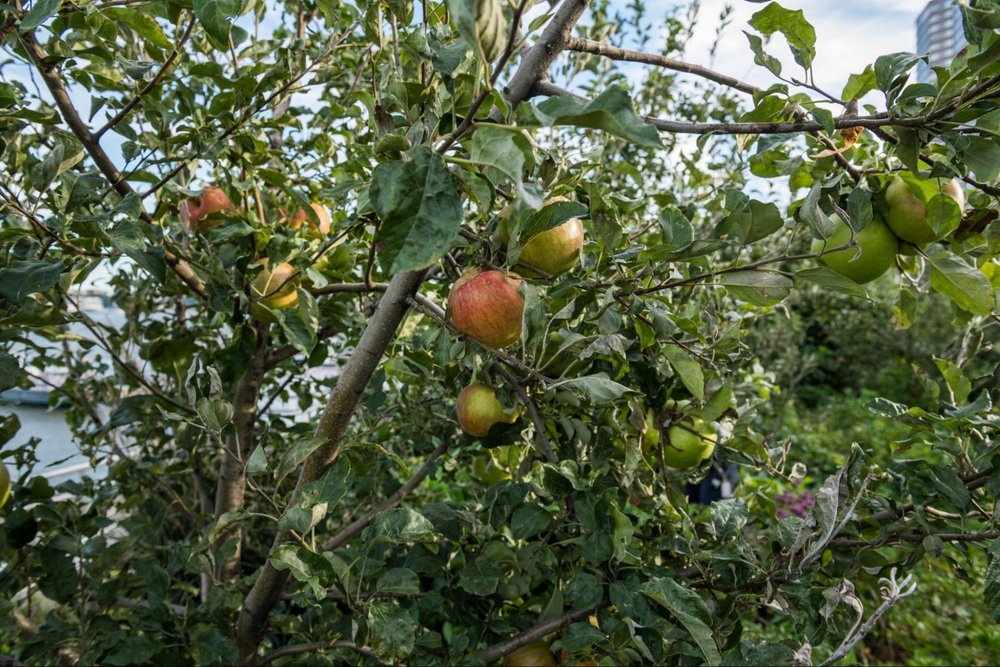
(829, 279)
(611, 111)
(420, 210)
(983, 157)
(689, 609)
(966, 285)
(959, 386)
(793, 25)
(599, 388)
(26, 277)
(216, 16)
(859, 85)
(40, 11)
(761, 288)
(553, 215)
(688, 369)
(501, 149)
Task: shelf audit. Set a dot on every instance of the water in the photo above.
(58, 456)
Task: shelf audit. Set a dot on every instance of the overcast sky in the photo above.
(849, 35)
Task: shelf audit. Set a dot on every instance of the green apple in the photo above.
(535, 654)
(874, 254)
(479, 409)
(689, 442)
(552, 251)
(273, 290)
(907, 199)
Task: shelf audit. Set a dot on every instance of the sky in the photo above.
(849, 35)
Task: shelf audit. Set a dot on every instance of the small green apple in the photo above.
(875, 252)
(907, 199)
(479, 409)
(4, 484)
(689, 442)
(535, 654)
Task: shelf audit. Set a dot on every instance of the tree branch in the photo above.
(92, 145)
(615, 53)
(541, 438)
(500, 649)
(535, 63)
(311, 647)
(359, 524)
(155, 81)
(230, 488)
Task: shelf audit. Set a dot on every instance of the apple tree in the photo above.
(325, 223)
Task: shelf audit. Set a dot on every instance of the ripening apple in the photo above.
(488, 307)
(302, 216)
(689, 441)
(202, 210)
(273, 290)
(535, 654)
(4, 484)
(554, 250)
(479, 409)
(874, 254)
(907, 207)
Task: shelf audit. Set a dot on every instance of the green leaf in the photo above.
(420, 209)
(257, 463)
(728, 518)
(761, 57)
(391, 631)
(27, 277)
(599, 388)
(501, 149)
(765, 220)
(891, 70)
(127, 237)
(761, 288)
(301, 324)
(10, 371)
(330, 488)
(307, 567)
(40, 11)
(720, 402)
(143, 24)
(689, 610)
(399, 525)
(552, 215)
(611, 111)
(827, 278)
(793, 25)
(400, 580)
(966, 285)
(810, 212)
(529, 520)
(217, 17)
(947, 482)
(825, 118)
(983, 157)
(991, 585)
(688, 369)
(959, 386)
(859, 85)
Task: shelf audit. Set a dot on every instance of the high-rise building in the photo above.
(939, 36)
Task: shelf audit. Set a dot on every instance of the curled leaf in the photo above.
(850, 135)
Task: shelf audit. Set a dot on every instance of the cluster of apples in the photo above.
(487, 306)
(902, 223)
(272, 289)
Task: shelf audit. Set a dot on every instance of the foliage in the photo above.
(280, 491)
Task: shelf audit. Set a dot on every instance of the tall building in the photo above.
(939, 36)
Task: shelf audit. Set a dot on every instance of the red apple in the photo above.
(321, 213)
(479, 409)
(201, 209)
(488, 306)
(273, 290)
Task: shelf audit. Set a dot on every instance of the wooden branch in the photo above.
(359, 524)
(917, 537)
(972, 483)
(153, 83)
(92, 145)
(615, 53)
(541, 437)
(785, 127)
(357, 372)
(535, 63)
(230, 488)
(500, 649)
(313, 647)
